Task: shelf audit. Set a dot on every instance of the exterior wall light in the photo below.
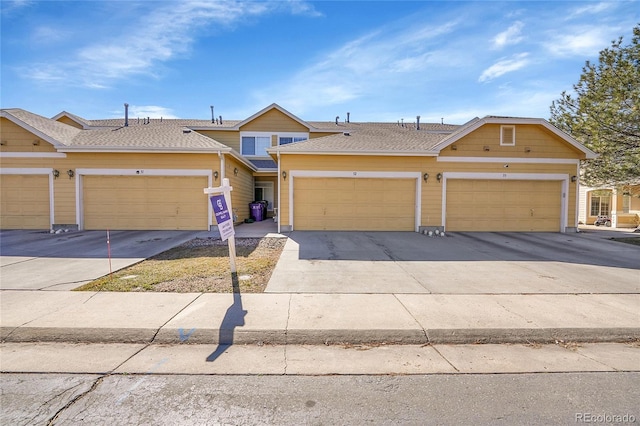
(235, 171)
(425, 176)
(56, 173)
(284, 175)
(71, 173)
(439, 177)
(215, 175)
(574, 178)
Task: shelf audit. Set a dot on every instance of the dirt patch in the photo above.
(200, 265)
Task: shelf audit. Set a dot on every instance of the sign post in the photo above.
(221, 202)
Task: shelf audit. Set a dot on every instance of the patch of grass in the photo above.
(201, 265)
(628, 240)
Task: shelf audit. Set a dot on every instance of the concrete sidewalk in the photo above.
(316, 318)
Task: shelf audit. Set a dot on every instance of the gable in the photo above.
(529, 141)
(18, 139)
(66, 120)
(229, 138)
(273, 121)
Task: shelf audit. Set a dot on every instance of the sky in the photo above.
(379, 60)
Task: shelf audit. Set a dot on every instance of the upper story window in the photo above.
(507, 135)
(255, 145)
(290, 139)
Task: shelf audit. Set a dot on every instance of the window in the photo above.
(508, 135)
(600, 205)
(290, 139)
(256, 145)
(626, 203)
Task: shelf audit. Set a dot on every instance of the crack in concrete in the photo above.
(445, 358)
(424, 331)
(172, 317)
(76, 399)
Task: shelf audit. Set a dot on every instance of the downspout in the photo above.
(222, 165)
(279, 192)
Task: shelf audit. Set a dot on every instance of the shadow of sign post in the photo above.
(234, 317)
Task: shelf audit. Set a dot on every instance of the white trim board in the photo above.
(137, 172)
(37, 171)
(507, 160)
(564, 178)
(33, 155)
(355, 174)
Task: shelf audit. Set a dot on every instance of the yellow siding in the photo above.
(242, 184)
(24, 202)
(431, 193)
(64, 187)
(500, 206)
(70, 122)
(145, 202)
(16, 139)
(431, 197)
(535, 139)
(273, 121)
(226, 137)
(348, 204)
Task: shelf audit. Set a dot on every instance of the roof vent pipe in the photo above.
(220, 119)
(337, 118)
(417, 122)
(348, 114)
(212, 116)
(126, 115)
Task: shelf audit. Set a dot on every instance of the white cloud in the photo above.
(162, 33)
(504, 66)
(581, 41)
(385, 58)
(9, 7)
(47, 35)
(510, 36)
(593, 9)
(151, 111)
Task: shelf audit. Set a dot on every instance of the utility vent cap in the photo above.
(186, 130)
(346, 133)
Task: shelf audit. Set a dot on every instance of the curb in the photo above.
(319, 337)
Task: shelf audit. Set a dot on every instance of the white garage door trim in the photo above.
(137, 172)
(36, 171)
(510, 176)
(357, 175)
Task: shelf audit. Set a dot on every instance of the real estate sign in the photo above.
(223, 216)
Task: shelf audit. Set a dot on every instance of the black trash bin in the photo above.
(257, 211)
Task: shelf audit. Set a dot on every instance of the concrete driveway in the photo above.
(38, 260)
(460, 263)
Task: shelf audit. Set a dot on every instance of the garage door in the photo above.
(497, 205)
(25, 202)
(349, 204)
(145, 202)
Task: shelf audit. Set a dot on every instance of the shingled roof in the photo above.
(54, 132)
(373, 138)
(165, 135)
